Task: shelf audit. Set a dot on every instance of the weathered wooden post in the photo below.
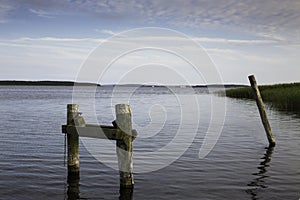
(124, 145)
(72, 141)
(262, 111)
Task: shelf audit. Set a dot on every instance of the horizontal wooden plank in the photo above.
(96, 131)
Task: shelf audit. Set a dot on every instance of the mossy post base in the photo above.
(72, 142)
(262, 111)
(124, 145)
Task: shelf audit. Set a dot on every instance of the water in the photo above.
(239, 166)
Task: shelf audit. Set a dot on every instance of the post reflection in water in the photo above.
(73, 187)
(259, 182)
(73, 190)
(126, 193)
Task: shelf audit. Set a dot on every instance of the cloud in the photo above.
(233, 41)
(105, 31)
(54, 39)
(44, 58)
(42, 13)
(53, 48)
(274, 19)
(49, 48)
(62, 53)
(6, 9)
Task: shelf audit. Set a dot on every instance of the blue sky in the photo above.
(51, 40)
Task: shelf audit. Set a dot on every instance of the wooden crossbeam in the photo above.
(97, 131)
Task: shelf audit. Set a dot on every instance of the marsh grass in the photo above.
(281, 96)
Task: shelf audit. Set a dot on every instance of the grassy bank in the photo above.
(281, 96)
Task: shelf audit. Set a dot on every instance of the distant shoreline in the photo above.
(71, 83)
(44, 83)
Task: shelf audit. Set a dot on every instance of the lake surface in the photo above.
(238, 167)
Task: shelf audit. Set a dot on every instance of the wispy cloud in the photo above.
(5, 10)
(271, 19)
(55, 39)
(275, 19)
(57, 55)
(262, 18)
(42, 13)
(233, 41)
(105, 31)
(68, 48)
(43, 58)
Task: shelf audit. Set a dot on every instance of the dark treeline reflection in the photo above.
(259, 181)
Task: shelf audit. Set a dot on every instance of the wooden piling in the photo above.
(262, 111)
(72, 141)
(124, 145)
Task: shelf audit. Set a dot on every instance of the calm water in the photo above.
(239, 167)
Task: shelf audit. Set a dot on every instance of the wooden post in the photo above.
(124, 145)
(72, 142)
(262, 111)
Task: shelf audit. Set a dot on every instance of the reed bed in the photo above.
(281, 96)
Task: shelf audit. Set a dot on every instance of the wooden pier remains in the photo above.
(121, 131)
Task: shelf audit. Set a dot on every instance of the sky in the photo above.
(55, 39)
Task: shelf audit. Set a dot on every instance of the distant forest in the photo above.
(70, 83)
(45, 83)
